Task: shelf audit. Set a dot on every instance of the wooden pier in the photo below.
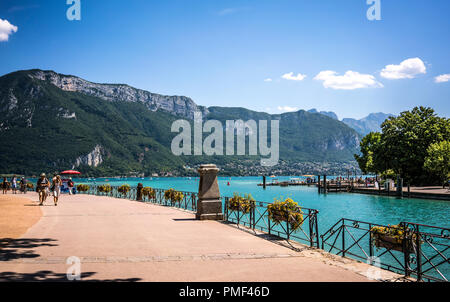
(286, 184)
(345, 186)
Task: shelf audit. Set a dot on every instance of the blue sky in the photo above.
(235, 53)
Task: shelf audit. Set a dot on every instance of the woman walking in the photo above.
(56, 188)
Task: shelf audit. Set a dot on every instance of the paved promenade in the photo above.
(122, 240)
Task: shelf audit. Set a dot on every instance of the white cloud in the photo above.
(407, 69)
(287, 109)
(291, 77)
(268, 80)
(349, 81)
(442, 78)
(6, 29)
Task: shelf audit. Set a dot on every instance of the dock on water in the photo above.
(325, 186)
(310, 181)
(430, 192)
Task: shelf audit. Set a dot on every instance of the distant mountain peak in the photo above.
(364, 126)
(370, 123)
(327, 113)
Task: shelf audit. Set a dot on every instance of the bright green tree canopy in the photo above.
(404, 143)
(438, 160)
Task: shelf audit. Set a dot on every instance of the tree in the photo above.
(369, 148)
(438, 160)
(405, 140)
(403, 145)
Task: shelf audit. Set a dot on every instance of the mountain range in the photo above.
(364, 126)
(50, 122)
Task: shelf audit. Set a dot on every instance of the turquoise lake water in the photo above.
(332, 207)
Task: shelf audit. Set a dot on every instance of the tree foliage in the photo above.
(369, 146)
(438, 160)
(404, 143)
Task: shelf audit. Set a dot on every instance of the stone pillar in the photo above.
(209, 204)
(399, 187)
(318, 182)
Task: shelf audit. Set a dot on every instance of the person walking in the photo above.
(4, 185)
(14, 184)
(70, 185)
(41, 188)
(56, 188)
(23, 185)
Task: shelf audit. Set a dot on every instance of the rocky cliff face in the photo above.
(93, 159)
(178, 105)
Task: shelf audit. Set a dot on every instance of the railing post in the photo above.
(287, 224)
(253, 220)
(370, 242)
(311, 232)
(418, 254)
(406, 251)
(343, 238)
(317, 227)
(238, 215)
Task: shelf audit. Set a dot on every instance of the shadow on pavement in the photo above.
(49, 276)
(269, 237)
(184, 219)
(13, 249)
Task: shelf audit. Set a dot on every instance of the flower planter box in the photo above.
(392, 243)
(240, 208)
(277, 216)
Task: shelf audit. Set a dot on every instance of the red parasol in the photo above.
(70, 172)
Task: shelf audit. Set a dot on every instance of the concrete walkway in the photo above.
(122, 240)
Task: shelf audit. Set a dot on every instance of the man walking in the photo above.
(23, 185)
(42, 188)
